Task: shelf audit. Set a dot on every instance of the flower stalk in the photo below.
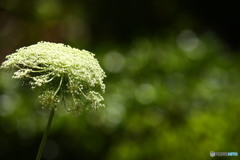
(45, 135)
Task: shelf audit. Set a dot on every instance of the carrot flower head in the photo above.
(61, 73)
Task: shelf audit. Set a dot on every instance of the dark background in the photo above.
(172, 87)
(91, 23)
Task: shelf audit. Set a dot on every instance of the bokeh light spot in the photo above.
(192, 46)
(7, 105)
(114, 62)
(145, 94)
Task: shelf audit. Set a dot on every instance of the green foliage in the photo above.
(172, 99)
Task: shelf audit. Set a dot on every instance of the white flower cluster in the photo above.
(60, 71)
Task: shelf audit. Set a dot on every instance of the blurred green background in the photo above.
(173, 82)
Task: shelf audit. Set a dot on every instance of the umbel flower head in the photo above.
(61, 73)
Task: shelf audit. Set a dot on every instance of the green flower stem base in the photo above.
(44, 139)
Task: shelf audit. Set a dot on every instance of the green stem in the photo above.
(44, 139)
(59, 86)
